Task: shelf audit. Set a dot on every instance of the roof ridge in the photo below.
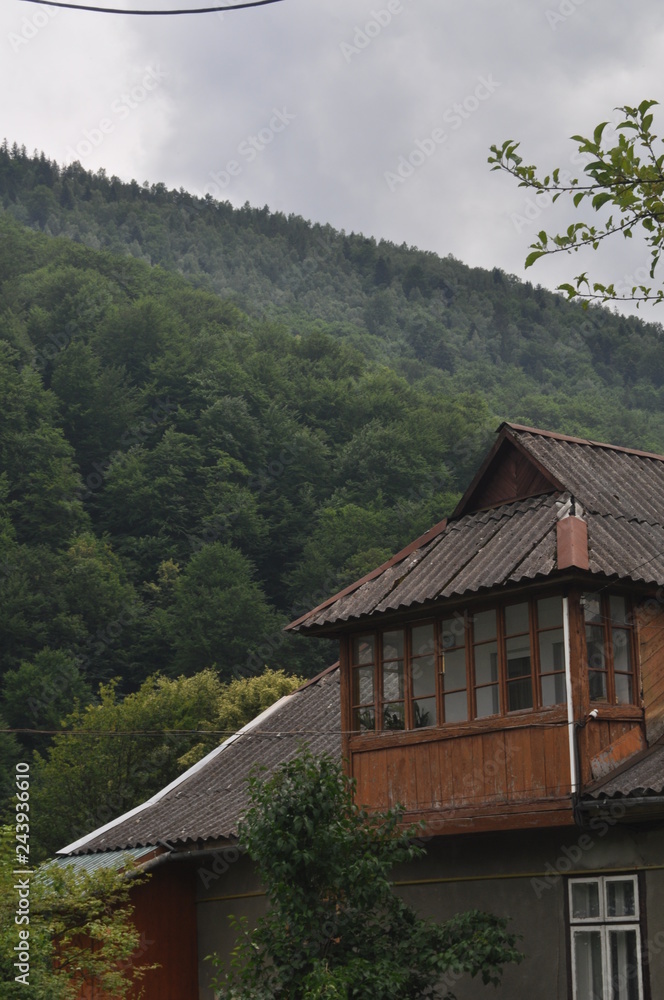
(525, 502)
(76, 845)
(523, 429)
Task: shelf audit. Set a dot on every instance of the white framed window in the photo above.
(605, 938)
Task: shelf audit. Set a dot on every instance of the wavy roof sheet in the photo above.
(642, 776)
(208, 800)
(605, 479)
(621, 493)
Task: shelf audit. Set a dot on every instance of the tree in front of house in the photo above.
(625, 174)
(335, 927)
(79, 933)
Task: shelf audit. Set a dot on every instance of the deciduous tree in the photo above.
(627, 175)
(335, 927)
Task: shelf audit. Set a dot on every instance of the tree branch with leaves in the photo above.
(335, 928)
(627, 176)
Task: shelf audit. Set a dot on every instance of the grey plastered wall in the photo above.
(500, 873)
(226, 885)
(517, 874)
(655, 943)
(523, 875)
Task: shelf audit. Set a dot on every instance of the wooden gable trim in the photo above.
(522, 429)
(491, 464)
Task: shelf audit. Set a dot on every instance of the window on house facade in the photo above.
(611, 660)
(605, 938)
(508, 658)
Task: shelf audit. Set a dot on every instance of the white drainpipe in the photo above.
(574, 780)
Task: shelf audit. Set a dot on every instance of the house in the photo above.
(186, 838)
(502, 678)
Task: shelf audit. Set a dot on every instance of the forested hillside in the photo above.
(214, 418)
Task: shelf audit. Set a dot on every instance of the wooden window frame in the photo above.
(468, 645)
(609, 626)
(603, 924)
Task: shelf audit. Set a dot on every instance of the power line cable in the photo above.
(148, 13)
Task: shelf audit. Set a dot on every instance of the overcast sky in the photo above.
(375, 116)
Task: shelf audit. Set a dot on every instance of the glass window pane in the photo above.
(624, 694)
(393, 681)
(456, 707)
(363, 649)
(585, 900)
(454, 670)
(549, 612)
(618, 609)
(363, 687)
(486, 663)
(597, 686)
(595, 646)
(393, 716)
(392, 645)
(422, 640)
(364, 719)
(484, 625)
(516, 619)
(588, 965)
(620, 898)
(454, 630)
(624, 968)
(518, 656)
(488, 701)
(424, 712)
(552, 651)
(622, 654)
(592, 608)
(424, 676)
(519, 695)
(553, 690)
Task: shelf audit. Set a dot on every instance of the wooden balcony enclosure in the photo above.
(509, 771)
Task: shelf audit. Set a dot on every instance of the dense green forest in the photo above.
(214, 417)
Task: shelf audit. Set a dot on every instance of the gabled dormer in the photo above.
(508, 473)
(472, 660)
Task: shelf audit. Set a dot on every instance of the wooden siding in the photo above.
(165, 915)
(476, 777)
(514, 476)
(595, 739)
(651, 649)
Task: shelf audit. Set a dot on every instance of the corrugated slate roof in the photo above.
(642, 777)
(208, 800)
(512, 542)
(604, 478)
(621, 493)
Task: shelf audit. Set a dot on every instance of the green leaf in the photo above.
(535, 255)
(601, 199)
